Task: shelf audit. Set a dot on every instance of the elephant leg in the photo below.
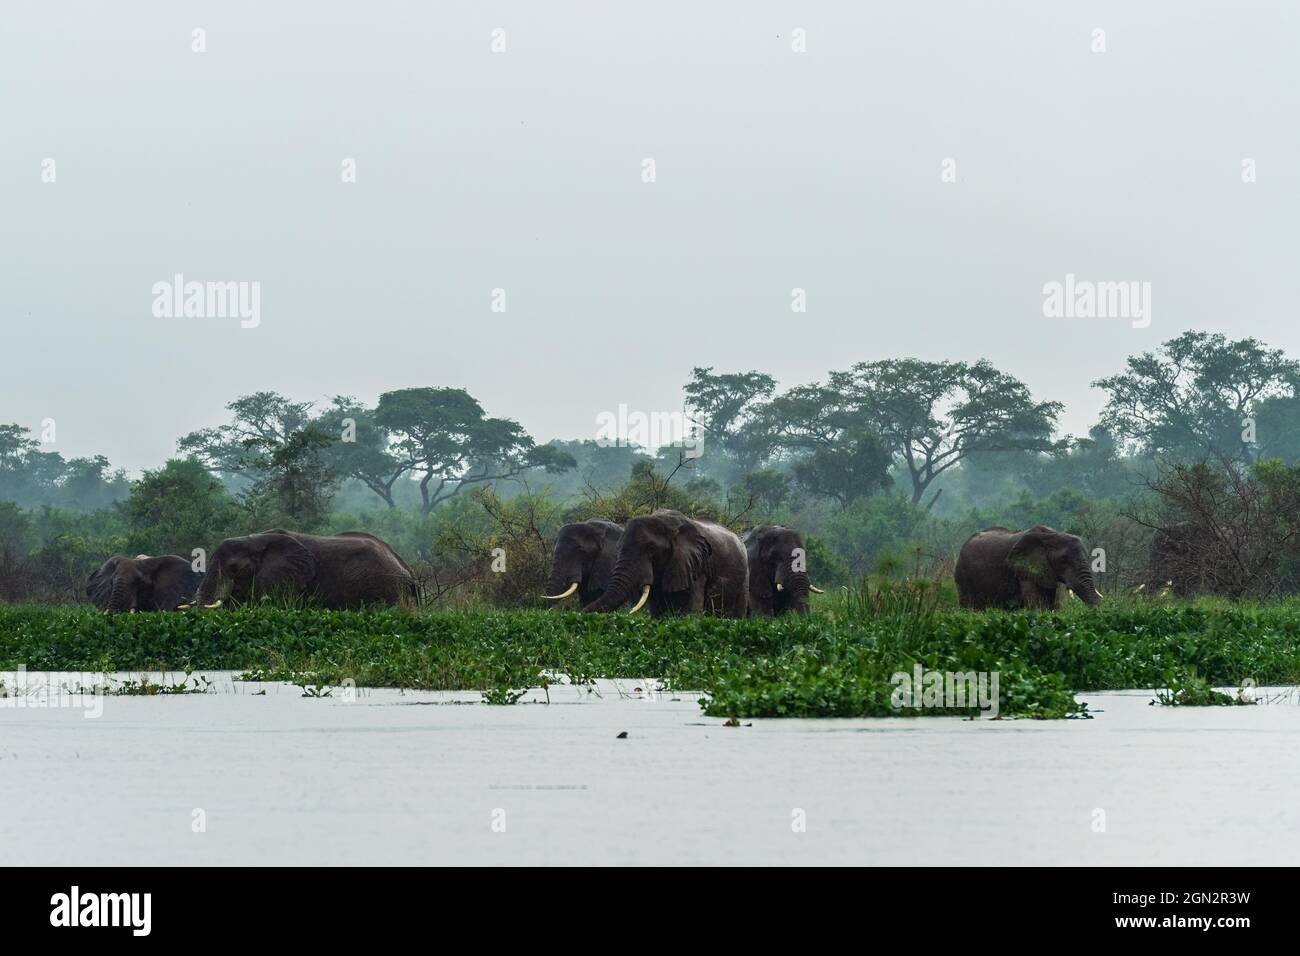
(698, 598)
(1031, 595)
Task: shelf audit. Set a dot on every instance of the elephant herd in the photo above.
(336, 571)
(673, 564)
(666, 562)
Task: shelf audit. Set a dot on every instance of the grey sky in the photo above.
(522, 170)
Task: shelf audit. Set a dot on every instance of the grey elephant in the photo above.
(998, 567)
(678, 565)
(583, 559)
(142, 583)
(1187, 560)
(339, 571)
(778, 575)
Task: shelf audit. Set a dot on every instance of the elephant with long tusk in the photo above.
(778, 571)
(583, 559)
(673, 564)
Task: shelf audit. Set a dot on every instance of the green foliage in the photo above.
(295, 483)
(177, 508)
(870, 529)
(1191, 690)
(839, 663)
(452, 444)
(33, 478)
(1188, 399)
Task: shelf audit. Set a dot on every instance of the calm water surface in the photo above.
(393, 777)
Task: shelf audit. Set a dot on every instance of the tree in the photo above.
(769, 488)
(261, 421)
(362, 450)
(855, 466)
(444, 436)
(725, 406)
(929, 415)
(177, 508)
(15, 543)
(1226, 529)
(87, 484)
(31, 477)
(295, 483)
(1192, 397)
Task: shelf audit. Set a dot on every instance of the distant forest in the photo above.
(886, 467)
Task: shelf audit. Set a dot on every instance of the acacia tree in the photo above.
(1195, 397)
(363, 448)
(443, 435)
(928, 415)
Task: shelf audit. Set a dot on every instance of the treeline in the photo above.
(886, 466)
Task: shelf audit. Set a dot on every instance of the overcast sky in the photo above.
(523, 170)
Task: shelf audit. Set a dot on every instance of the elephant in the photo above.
(998, 567)
(678, 565)
(339, 571)
(142, 583)
(778, 576)
(583, 559)
(1185, 560)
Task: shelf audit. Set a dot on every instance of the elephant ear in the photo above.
(286, 562)
(686, 562)
(1029, 556)
(99, 586)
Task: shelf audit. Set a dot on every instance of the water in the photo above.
(417, 778)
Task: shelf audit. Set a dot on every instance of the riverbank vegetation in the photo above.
(836, 662)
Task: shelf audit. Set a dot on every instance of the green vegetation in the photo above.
(836, 662)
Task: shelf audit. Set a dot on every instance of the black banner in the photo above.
(1224, 905)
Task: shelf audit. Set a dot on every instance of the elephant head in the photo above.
(1048, 558)
(256, 564)
(142, 583)
(665, 551)
(583, 559)
(778, 575)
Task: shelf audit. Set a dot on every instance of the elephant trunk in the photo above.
(796, 587)
(620, 588)
(1084, 587)
(209, 588)
(122, 597)
(562, 578)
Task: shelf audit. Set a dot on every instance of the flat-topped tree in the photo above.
(445, 437)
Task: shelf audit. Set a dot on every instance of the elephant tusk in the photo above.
(780, 586)
(212, 605)
(182, 607)
(815, 590)
(559, 597)
(1099, 594)
(645, 596)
